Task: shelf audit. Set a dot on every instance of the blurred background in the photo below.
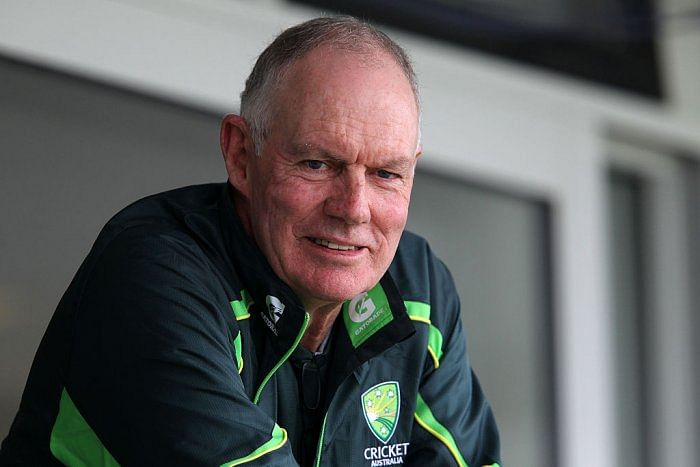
(560, 182)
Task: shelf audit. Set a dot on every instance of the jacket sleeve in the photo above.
(152, 377)
(453, 421)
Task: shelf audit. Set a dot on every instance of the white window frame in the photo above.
(669, 320)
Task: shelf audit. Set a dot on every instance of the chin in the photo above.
(338, 290)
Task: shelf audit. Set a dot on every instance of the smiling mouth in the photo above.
(334, 246)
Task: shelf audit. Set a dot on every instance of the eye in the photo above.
(315, 165)
(385, 174)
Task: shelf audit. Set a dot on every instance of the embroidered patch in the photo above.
(366, 314)
(381, 405)
(275, 308)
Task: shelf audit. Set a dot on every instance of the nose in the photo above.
(349, 199)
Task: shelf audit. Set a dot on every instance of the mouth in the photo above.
(334, 246)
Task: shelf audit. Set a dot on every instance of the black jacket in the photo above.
(171, 347)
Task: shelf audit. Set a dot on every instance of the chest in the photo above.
(366, 419)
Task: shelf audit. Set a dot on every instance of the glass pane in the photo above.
(73, 154)
(692, 190)
(496, 245)
(626, 223)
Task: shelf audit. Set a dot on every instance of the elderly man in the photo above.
(283, 318)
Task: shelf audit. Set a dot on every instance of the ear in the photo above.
(238, 149)
(419, 150)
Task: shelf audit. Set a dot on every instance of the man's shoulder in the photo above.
(156, 241)
(170, 206)
(423, 279)
(418, 273)
(183, 222)
(166, 212)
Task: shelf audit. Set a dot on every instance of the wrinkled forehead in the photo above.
(367, 92)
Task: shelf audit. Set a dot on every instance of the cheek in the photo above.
(390, 216)
(287, 204)
(392, 211)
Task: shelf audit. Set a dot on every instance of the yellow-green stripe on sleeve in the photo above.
(420, 312)
(279, 437)
(425, 418)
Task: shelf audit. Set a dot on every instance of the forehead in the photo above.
(360, 98)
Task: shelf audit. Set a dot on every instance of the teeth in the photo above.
(333, 246)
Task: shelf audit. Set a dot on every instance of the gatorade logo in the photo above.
(361, 307)
(365, 314)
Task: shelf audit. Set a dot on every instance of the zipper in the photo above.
(319, 448)
(284, 358)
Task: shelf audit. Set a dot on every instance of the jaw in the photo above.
(322, 284)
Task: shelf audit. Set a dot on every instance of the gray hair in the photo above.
(340, 32)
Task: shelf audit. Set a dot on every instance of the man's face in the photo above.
(329, 193)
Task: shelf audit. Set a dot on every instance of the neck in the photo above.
(320, 324)
(242, 210)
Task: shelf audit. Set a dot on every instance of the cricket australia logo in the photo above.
(381, 405)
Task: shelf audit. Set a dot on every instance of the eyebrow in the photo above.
(313, 150)
(399, 165)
